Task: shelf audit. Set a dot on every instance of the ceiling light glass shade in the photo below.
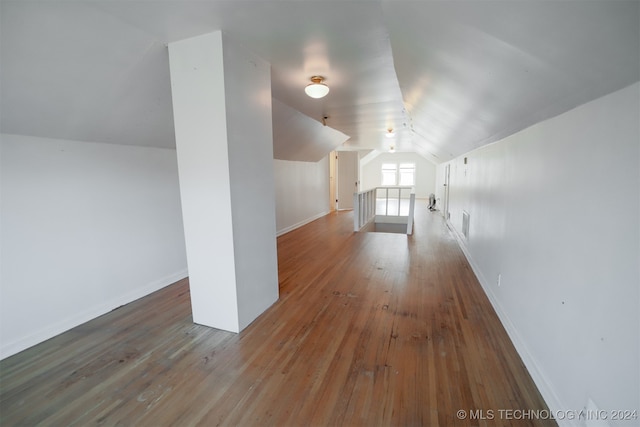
(390, 133)
(317, 89)
(392, 149)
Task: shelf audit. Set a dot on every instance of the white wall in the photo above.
(85, 228)
(222, 113)
(555, 210)
(302, 192)
(250, 134)
(200, 120)
(371, 175)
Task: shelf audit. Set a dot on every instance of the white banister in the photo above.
(364, 208)
(368, 206)
(412, 205)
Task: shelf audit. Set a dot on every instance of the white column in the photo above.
(222, 114)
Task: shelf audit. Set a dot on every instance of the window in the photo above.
(403, 174)
(407, 174)
(389, 174)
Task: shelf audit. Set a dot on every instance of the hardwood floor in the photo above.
(370, 329)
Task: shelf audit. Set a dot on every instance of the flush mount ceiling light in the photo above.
(317, 89)
(392, 149)
(390, 133)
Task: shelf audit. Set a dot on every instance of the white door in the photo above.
(347, 178)
(333, 201)
(445, 207)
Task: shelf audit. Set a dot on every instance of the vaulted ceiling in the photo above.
(447, 76)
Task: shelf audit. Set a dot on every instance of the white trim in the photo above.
(392, 219)
(75, 319)
(301, 223)
(544, 385)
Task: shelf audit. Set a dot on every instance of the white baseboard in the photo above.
(56, 328)
(544, 385)
(300, 224)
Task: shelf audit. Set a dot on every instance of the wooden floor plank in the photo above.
(370, 329)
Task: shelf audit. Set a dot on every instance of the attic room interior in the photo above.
(171, 249)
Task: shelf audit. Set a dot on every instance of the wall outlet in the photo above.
(499, 280)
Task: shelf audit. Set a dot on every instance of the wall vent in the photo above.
(465, 224)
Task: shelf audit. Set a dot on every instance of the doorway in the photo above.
(445, 207)
(346, 178)
(333, 201)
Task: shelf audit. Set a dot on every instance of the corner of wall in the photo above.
(50, 330)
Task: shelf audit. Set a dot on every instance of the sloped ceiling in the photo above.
(447, 76)
(299, 137)
(474, 74)
(71, 71)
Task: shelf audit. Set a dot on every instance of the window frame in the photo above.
(407, 167)
(396, 170)
(388, 169)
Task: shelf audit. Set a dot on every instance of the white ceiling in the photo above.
(449, 76)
